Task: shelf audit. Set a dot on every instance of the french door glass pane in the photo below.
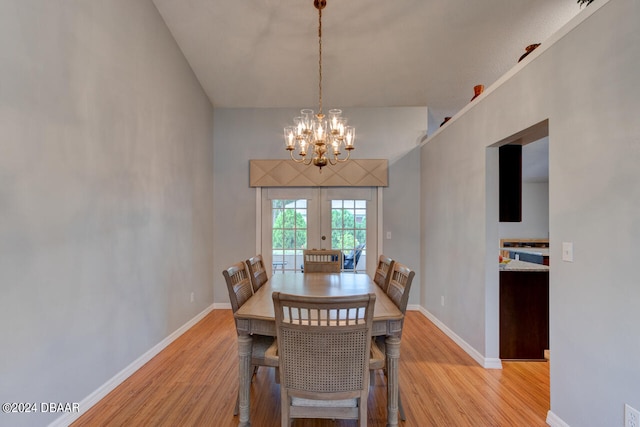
(349, 229)
(289, 233)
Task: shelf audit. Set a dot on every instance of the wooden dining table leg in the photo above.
(245, 343)
(393, 359)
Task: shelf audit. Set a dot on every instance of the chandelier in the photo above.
(312, 136)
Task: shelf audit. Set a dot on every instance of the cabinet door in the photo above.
(524, 314)
(510, 183)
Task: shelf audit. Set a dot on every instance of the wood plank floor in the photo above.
(194, 382)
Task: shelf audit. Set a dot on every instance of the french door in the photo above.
(294, 219)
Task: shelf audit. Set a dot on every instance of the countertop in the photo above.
(535, 251)
(517, 265)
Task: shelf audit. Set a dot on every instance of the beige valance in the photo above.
(287, 173)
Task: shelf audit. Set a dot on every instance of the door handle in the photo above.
(324, 237)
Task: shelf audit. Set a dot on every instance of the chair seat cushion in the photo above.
(342, 403)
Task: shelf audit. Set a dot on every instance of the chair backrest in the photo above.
(322, 261)
(324, 344)
(351, 260)
(383, 272)
(257, 272)
(238, 284)
(359, 250)
(400, 285)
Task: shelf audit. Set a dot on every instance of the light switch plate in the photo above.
(567, 251)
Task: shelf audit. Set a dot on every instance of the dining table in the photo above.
(256, 316)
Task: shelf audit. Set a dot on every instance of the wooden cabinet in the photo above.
(510, 183)
(524, 314)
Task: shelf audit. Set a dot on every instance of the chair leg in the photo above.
(362, 416)
(284, 409)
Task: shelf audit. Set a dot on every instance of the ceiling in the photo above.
(264, 53)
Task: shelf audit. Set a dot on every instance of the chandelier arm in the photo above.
(302, 160)
(296, 160)
(342, 160)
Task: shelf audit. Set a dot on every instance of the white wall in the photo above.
(244, 134)
(105, 195)
(585, 84)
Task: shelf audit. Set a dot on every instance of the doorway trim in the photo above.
(531, 134)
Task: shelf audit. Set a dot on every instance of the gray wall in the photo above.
(105, 195)
(535, 214)
(586, 85)
(244, 134)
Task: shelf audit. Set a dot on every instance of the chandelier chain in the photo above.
(320, 60)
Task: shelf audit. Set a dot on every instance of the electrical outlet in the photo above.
(442, 300)
(192, 297)
(631, 417)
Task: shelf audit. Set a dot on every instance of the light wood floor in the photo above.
(194, 382)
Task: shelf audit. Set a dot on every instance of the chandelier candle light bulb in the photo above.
(314, 131)
(350, 137)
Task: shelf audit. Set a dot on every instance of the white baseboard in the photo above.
(487, 363)
(555, 421)
(119, 378)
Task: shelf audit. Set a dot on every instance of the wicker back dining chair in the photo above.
(257, 272)
(322, 261)
(383, 272)
(238, 285)
(399, 285)
(240, 290)
(324, 346)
